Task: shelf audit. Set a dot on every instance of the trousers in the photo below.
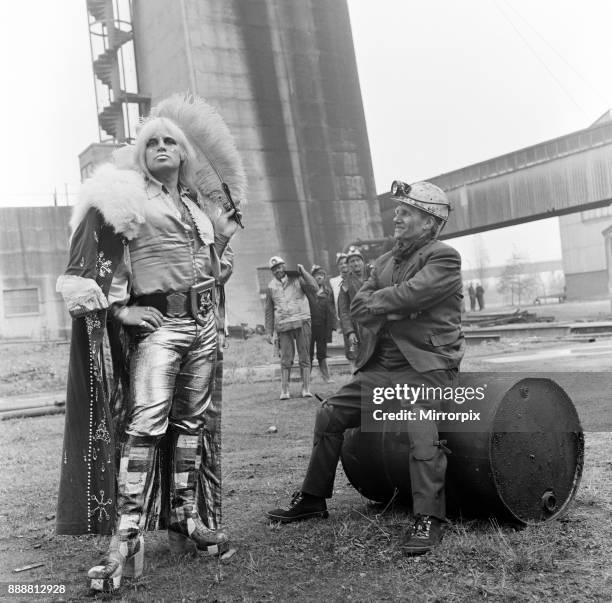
(295, 338)
(172, 372)
(318, 339)
(426, 461)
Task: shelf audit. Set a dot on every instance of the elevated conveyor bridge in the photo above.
(561, 176)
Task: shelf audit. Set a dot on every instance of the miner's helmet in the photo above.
(316, 268)
(275, 260)
(424, 196)
(353, 251)
(340, 256)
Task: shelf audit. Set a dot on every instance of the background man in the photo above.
(323, 316)
(472, 296)
(351, 284)
(410, 308)
(287, 312)
(336, 281)
(480, 296)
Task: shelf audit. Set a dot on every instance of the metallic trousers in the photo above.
(172, 372)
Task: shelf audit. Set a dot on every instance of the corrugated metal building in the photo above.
(33, 252)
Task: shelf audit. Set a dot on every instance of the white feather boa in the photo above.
(118, 194)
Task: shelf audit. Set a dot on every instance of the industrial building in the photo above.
(33, 251)
(569, 176)
(283, 75)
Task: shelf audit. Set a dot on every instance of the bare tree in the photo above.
(515, 280)
(481, 257)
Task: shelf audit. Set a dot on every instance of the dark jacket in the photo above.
(348, 290)
(322, 310)
(418, 299)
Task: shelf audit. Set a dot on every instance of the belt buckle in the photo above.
(176, 304)
(203, 299)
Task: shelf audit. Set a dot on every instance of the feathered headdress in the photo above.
(217, 159)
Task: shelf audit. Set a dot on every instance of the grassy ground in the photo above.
(354, 555)
(27, 368)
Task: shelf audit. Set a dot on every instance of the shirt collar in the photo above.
(155, 188)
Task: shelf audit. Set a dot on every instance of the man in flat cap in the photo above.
(288, 314)
(410, 313)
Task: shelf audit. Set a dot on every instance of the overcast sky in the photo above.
(444, 84)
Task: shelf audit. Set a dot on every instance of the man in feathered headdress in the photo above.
(150, 249)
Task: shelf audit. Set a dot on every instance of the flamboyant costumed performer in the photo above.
(149, 256)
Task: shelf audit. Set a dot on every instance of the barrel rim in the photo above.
(580, 454)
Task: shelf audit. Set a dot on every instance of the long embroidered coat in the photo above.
(97, 401)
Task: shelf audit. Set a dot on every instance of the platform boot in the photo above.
(125, 555)
(187, 532)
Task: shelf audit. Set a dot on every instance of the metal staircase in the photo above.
(118, 100)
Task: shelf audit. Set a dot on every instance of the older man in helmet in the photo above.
(410, 313)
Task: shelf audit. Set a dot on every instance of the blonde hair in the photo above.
(187, 168)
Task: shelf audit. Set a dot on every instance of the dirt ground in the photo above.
(355, 555)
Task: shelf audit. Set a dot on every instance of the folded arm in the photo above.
(439, 277)
(359, 309)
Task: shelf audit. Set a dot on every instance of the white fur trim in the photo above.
(119, 195)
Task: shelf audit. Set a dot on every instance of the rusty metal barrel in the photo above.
(523, 464)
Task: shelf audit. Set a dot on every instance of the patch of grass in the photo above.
(355, 555)
(27, 368)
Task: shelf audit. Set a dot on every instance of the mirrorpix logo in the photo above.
(413, 394)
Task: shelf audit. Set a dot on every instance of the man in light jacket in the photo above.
(288, 314)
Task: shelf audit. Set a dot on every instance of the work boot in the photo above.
(306, 383)
(302, 506)
(425, 534)
(325, 371)
(285, 379)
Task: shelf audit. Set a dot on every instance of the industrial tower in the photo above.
(283, 75)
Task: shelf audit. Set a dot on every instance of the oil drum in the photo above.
(523, 464)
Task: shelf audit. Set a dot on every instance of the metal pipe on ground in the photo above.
(38, 411)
